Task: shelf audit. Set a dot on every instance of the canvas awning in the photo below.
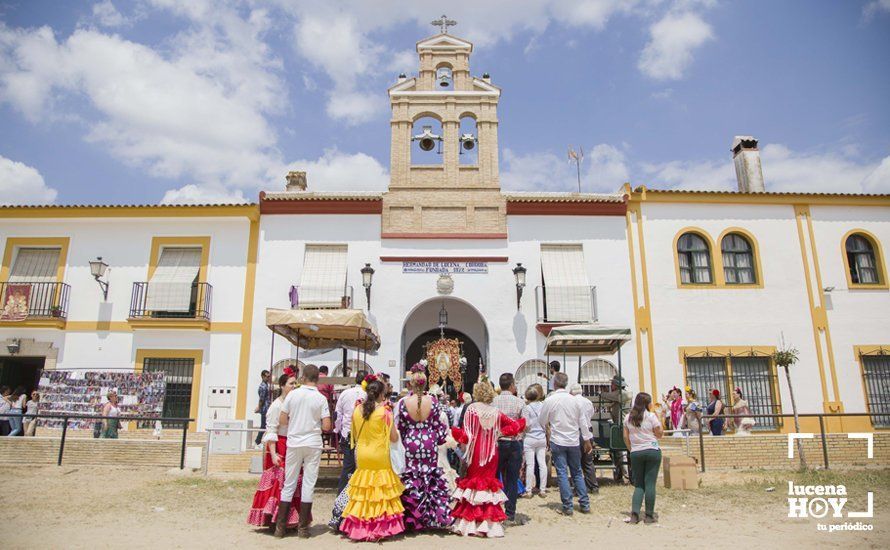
(590, 339)
(324, 329)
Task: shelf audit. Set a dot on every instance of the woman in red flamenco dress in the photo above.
(264, 510)
(479, 507)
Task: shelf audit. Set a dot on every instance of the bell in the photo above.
(468, 142)
(443, 77)
(427, 144)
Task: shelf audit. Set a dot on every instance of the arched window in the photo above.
(354, 364)
(738, 260)
(694, 258)
(862, 260)
(596, 376)
(533, 371)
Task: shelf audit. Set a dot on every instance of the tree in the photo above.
(785, 357)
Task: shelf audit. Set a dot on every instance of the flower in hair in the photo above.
(418, 367)
(368, 379)
(289, 371)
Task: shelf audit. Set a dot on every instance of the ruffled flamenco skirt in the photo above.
(264, 510)
(479, 507)
(374, 511)
(426, 499)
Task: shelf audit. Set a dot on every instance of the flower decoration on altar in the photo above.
(368, 379)
(463, 361)
(423, 363)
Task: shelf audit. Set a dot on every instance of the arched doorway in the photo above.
(416, 351)
(464, 322)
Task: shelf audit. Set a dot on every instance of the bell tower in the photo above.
(444, 147)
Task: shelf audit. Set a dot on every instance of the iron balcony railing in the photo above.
(566, 304)
(171, 301)
(321, 297)
(34, 300)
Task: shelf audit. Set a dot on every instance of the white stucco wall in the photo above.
(731, 316)
(856, 317)
(125, 244)
(512, 337)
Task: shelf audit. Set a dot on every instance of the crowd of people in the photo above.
(684, 414)
(421, 461)
(20, 410)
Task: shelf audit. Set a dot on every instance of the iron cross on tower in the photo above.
(443, 23)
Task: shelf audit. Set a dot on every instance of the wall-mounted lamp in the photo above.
(14, 346)
(828, 289)
(98, 269)
(519, 273)
(367, 280)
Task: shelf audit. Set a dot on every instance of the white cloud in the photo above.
(22, 184)
(673, 38)
(203, 194)
(875, 7)
(107, 15)
(196, 112)
(338, 171)
(604, 169)
(783, 170)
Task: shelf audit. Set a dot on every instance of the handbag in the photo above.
(397, 457)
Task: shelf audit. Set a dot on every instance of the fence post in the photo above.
(824, 443)
(701, 445)
(62, 442)
(185, 432)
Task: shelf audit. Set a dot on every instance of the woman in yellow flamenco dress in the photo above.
(375, 509)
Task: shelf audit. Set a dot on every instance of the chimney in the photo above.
(746, 157)
(296, 181)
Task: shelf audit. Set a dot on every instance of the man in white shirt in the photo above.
(306, 414)
(588, 467)
(343, 424)
(562, 413)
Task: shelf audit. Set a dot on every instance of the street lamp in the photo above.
(367, 280)
(519, 273)
(98, 268)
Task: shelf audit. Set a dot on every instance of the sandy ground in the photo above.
(86, 507)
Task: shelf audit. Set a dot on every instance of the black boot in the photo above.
(649, 518)
(634, 518)
(305, 520)
(281, 520)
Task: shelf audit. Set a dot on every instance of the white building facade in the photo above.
(710, 283)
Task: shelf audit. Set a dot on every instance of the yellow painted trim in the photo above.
(247, 320)
(14, 243)
(177, 324)
(653, 195)
(755, 250)
(821, 293)
(858, 352)
(639, 318)
(879, 261)
(252, 211)
(816, 313)
(196, 355)
(157, 243)
(45, 322)
(645, 274)
(128, 326)
(716, 274)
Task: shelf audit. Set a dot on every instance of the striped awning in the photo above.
(590, 339)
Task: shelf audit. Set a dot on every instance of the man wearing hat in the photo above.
(618, 398)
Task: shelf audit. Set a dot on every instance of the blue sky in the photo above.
(160, 100)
